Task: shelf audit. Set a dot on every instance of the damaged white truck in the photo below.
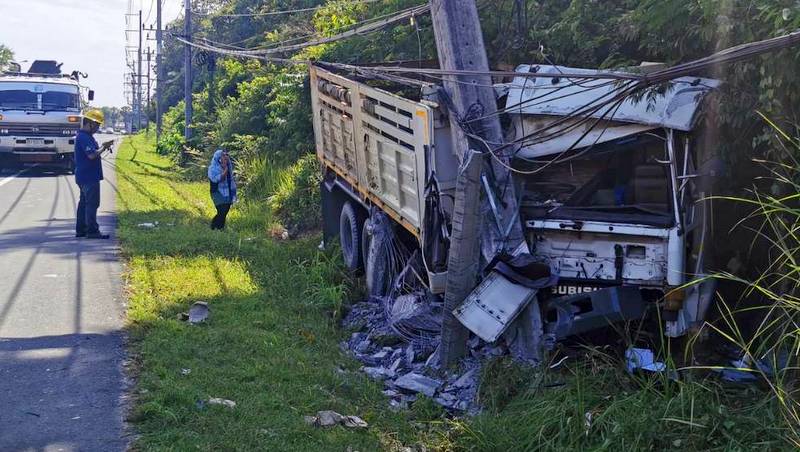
(615, 210)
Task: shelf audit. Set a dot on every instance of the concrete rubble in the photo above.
(407, 361)
(330, 418)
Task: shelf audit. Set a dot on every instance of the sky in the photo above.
(86, 35)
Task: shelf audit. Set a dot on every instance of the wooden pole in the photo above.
(459, 42)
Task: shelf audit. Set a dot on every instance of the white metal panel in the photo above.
(675, 108)
(491, 307)
(587, 254)
(375, 138)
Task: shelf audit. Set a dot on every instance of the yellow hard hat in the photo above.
(95, 115)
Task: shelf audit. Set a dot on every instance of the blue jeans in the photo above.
(86, 217)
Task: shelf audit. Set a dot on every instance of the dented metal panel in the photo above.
(675, 108)
(374, 139)
(489, 310)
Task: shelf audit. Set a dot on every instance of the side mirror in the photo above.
(91, 95)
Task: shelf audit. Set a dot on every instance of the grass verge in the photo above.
(271, 345)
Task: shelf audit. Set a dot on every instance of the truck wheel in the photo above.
(350, 236)
(379, 265)
(365, 240)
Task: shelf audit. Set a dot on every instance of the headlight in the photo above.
(3, 131)
(67, 132)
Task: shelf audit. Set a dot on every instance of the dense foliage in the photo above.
(260, 110)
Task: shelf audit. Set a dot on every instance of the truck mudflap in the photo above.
(567, 316)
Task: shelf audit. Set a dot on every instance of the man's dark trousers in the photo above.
(86, 221)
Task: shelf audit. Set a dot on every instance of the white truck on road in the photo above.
(39, 118)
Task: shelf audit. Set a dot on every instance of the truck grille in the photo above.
(38, 130)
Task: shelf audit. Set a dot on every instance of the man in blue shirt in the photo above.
(88, 174)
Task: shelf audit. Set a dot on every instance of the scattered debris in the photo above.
(186, 371)
(224, 402)
(409, 365)
(198, 312)
(148, 225)
(415, 382)
(330, 418)
(643, 358)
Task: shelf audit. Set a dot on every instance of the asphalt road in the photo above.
(61, 317)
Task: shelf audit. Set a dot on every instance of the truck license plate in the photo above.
(35, 141)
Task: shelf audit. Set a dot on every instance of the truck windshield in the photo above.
(24, 99)
(17, 98)
(611, 183)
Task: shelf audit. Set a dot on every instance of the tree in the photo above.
(6, 56)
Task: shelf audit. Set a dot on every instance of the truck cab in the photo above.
(615, 199)
(40, 115)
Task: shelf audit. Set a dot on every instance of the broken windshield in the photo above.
(617, 179)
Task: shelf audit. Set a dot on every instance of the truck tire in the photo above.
(379, 271)
(350, 223)
(365, 239)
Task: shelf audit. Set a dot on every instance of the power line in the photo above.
(150, 11)
(364, 27)
(273, 13)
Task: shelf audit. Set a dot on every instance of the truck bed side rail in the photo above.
(376, 141)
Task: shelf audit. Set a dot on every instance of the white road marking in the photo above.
(14, 176)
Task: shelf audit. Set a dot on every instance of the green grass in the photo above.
(271, 345)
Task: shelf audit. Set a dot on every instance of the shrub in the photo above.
(296, 202)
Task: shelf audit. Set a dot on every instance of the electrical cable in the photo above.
(364, 27)
(274, 13)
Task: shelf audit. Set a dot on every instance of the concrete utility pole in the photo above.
(159, 70)
(133, 103)
(459, 42)
(149, 67)
(187, 61)
(139, 76)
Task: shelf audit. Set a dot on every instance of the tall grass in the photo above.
(772, 350)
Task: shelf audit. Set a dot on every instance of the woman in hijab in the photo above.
(223, 186)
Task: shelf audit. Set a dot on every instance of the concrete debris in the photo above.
(198, 312)
(186, 371)
(415, 382)
(409, 367)
(224, 402)
(148, 225)
(330, 418)
(378, 373)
